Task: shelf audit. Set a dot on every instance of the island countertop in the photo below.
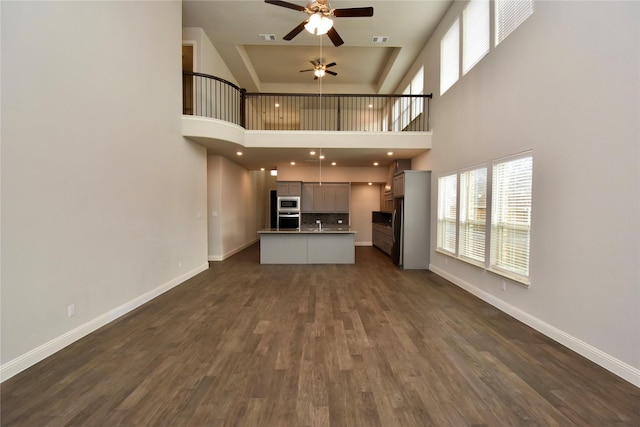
(308, 230)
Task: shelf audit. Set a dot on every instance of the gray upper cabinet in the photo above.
(342, 198)
(398, 185)
(325, 198)
(307, 197)
(289, 188)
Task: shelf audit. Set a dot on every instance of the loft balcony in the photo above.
(223, 117)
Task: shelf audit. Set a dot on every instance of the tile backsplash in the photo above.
(327, 219)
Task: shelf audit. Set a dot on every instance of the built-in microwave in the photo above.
(288, 204)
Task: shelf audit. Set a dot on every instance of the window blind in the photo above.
(450, 57)
(473, 214)
(511, 214)
(447, 213)
(509, 15)
(475, 33)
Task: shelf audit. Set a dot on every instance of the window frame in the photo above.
(471, 32)
(495, 266)
(463, 198)
(506, 23)
(443, 219)
(448, 47)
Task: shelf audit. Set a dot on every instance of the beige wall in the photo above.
(565, 85)
(236, 201)
(364, 199)
(103, 201)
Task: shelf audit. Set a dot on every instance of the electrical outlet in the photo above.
(504, 285)
(71, 310)
(339, 221)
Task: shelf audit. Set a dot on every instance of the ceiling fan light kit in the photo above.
(319, 69)
(319, 24)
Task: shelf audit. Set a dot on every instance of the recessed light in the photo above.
(313, 153)
(333, 163)
(293, 163)
(262, 169)
(370, 105)
(239, 153)
(375, 163)
(390, 153)
(371, 183)
(277, 105)
(321, 157)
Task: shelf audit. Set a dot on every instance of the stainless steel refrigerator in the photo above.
(412, 220)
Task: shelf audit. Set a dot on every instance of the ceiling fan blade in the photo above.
(302, 71)
(285, 4)
(330, 65)
(334, 36)
(315, 64)
(297, 30)
(315, 78)
(353, 12)
(330, 72)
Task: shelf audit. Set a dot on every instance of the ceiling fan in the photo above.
(320, 69)
(320, 17)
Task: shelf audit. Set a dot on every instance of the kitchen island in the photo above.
(307, 246)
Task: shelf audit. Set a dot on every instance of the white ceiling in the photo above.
(363, 67)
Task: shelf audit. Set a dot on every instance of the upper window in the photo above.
(450, 57)
(511, 215)
(447, 209)
(475, 33)
(509, 15)
(473, 214)
(417, 88)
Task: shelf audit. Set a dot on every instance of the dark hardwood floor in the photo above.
(245, 344)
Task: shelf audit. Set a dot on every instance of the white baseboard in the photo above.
(232, 252)
(364, 243)
(34, 356)
(610, 363)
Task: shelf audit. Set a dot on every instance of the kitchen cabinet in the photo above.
(382, 237)
(395, 167)
(289, 188)
(329, 197)
(411, 220)
(398, 185)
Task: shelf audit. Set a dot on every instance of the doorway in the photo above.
(187, 81)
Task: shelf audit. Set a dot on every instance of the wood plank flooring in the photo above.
(244, 344)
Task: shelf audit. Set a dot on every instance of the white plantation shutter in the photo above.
(509, 15)
(450, 57)
(447, 198)
(475, 33)
(511, 214)
(473, 214)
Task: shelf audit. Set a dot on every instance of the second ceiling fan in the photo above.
(319, 20)
(319, 69)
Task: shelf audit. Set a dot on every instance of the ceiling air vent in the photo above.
(380, 39)
(267, 37)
